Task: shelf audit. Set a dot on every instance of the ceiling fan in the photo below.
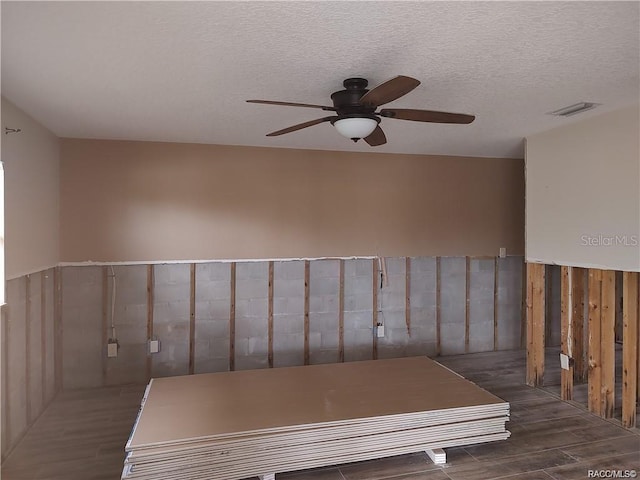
(355, 109)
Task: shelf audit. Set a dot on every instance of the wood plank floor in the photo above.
(82, 434)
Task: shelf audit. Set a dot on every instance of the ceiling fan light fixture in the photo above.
(356, 127)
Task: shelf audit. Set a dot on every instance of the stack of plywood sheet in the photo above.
(234, 425)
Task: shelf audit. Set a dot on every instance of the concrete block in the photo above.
(358, 320)
(213, 309)
(323, 322)
(288, 324)
(480, 336)
(172, 274)
(509, 302)
(250, 289)
(49, 336)
(129, 366)
(315, 342)
(358, 303)
(425, 265)
(421, 348)
(213, 272)
(82, 347)
(393, 319)
(358, 344)
(289, 270)
(288, 344)
(285, 288)
(424, 317)
(173, 358)
(81, 285)
(16, 354)
(258, 346)
(251, 363)
(329, 340)
(358, 267)
(323, 356)
(324, 286)
(358, 285)
(357, 354)
(282, 359)
(390, 300)
(396, 266)
(290, 305)
(35, 343)
(252, 270)
(324, 268)
(420, 333)
(391, 351)
(251, 327)
(452, 338)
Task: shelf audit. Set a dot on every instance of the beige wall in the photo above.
(583, 193)
(32, 167)
(139, 201)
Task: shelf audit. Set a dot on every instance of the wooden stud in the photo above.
(496, 265)
(535, 323)
(577, 321)
(407, 290)
(638, 367)
(232, 317)
(150, 284)
(27, 363)
(58, 327)
(341, 315)
(548, 295)
(619, 307)
(438, 306)
(467, 289)
(566, 333)
(105, 321)
(306, 312)
(376, 280)
(192, 319)
(43, 335)
(608, 343)
(594, 375)
(270, 316)
(630, 329)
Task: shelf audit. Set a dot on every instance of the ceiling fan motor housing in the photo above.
(347, 101)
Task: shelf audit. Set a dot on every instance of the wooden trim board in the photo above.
(630, 321)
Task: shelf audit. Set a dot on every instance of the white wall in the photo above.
(583, 193)
(32, 184)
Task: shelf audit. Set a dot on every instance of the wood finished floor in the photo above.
(82, 433)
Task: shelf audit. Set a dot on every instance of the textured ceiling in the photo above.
(180, 71)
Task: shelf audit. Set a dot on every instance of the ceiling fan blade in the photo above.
(376, 138)
(300, 126)
(389, 91)
(290, 104)
(426, 115)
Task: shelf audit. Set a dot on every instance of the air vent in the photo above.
(574, 109)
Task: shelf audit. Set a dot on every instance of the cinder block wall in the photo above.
(281, 313)
(28, 363)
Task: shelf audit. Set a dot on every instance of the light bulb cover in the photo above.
(356, 127)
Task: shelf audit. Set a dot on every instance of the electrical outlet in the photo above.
(112, 349)
(380, 330)
(503, 252)
(154, 346)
